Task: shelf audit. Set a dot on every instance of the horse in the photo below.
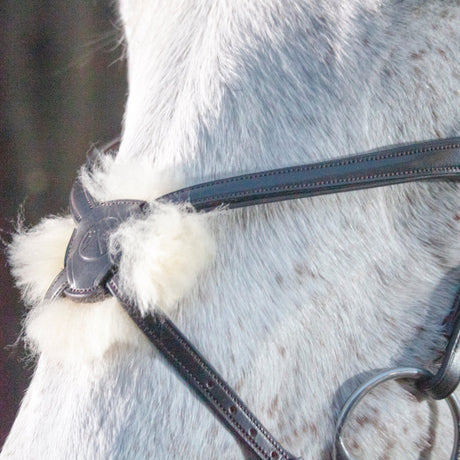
(295, 303)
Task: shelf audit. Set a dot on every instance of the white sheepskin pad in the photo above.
(162, 255)
(113, 179)
(36, 256)
(67, 331)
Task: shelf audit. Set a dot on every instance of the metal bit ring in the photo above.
(410, 373)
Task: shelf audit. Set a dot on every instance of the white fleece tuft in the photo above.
(70, 331)
(37, 256)
(115, 179)
(162, 254)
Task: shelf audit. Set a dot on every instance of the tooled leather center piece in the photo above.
(88, 264)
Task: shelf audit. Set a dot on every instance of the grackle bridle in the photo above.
(90, 273)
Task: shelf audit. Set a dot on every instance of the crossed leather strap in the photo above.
(90, 273)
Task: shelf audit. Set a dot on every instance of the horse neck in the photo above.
(291, 308)
(220, 88)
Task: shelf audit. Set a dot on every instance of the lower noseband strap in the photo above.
(204, 380)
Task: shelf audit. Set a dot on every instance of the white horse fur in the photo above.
(294, 303)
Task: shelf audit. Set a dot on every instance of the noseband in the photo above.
(90, 274)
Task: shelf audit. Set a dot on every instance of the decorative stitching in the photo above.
(217, 403)
(325, 165)
(117, 202)
(307, 185)
(225, 387)
(131, 309)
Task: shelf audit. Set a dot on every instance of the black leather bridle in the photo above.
(90, 273)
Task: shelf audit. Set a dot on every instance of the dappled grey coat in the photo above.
(294, 303)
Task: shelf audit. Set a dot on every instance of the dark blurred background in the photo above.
(62, 90)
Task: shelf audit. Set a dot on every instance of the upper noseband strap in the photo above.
(403, 163)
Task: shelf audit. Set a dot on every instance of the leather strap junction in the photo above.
(89, 272)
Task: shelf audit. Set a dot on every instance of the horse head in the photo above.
(294, 303)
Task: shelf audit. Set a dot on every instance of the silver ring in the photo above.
(412, 373)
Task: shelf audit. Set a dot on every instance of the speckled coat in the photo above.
(301, 301)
